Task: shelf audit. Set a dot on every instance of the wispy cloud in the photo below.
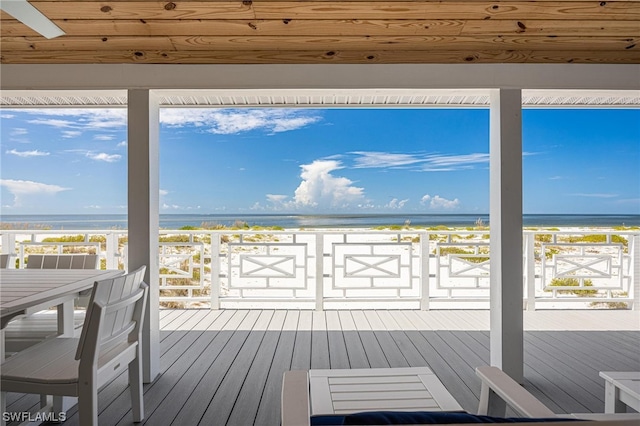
(69, 134)
(103, 156)
(25, 154)
(22, 188)
(420, 162)
(18, 131)
(454, 162)
(367, 159)
(594, 195)
(98, 119)
(234, 121)
(122, 144)
(53, 122)
(103, 137)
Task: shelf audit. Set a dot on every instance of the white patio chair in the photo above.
(62, 261)
(4, 260)
(26, 331)
(498, 391)
(108, 344)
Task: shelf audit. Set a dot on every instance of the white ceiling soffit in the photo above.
(322, 98)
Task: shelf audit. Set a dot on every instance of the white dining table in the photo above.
(23, 291)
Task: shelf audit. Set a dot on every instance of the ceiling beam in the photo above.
(432, 76)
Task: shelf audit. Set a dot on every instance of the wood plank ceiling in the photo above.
(316, 31)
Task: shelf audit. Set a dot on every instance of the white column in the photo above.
(143, 184)
(506, 342)
(634, 250)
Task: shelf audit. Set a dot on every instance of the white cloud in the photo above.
(53, 122)
(421, 162)
(396, 204)
(595, 195)
(163, 192)
(374, 159)
(80, 119)
(68, 134)
(103, 156)
(122, 144)
(446, 163)
(34, 153)
(18, 131)
(166, 206)
(276, 198)
(103, 137)
(3, 115)
(233, 121)
(21, 188)
(93, 207)
(439, 203)
(319, 188)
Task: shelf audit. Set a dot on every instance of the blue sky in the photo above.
(62, 161)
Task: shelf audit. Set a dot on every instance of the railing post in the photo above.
(9, 246)
(112, 250)
(634, 251)
(215, 270)
(319, 271)
(530, 270)
(424, 271)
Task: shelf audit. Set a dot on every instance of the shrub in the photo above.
(544, 238)
(64, 239)
(175, 239)
(457, 250)
(573, 282)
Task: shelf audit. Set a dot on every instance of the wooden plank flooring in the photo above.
(225, 367)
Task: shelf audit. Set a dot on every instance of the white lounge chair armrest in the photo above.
(518, 398)
(295, 399)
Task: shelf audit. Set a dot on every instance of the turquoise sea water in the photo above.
(176, 221)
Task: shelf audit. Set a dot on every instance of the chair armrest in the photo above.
(295, 399)
(497, 382)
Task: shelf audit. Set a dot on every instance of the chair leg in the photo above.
(88, 405)
(3, 407)
(135, 387)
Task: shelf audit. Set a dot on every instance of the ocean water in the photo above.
(176, 221)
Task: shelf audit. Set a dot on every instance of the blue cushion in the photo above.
(417, 417)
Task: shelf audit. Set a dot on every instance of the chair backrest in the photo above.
(62, 261)
(4, 261)
(114, 315)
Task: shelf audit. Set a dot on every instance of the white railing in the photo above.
(426, 269)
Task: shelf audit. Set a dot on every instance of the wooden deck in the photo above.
(225, 367)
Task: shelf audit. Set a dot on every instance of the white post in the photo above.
(215, 270)
(319, 271)
(9, 247)
(424, 271)
(634, 287)
(530, 270)
(143, 185)
(112, 250)
(506, 336)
